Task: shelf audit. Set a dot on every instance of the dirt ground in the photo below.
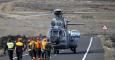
(15, 16)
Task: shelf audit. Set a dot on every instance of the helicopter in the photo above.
(59, 34)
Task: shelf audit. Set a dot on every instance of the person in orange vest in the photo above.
(19, 48)
(44, 42)
(31, 49)
(38, 47)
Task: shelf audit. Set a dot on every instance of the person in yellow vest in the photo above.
(44, 42)
(10, 46)
(31, 49)
(38, 47)
(19, 48)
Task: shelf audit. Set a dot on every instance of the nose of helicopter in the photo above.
(57, 11)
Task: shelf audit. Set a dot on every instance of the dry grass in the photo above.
(108, 53)
(108, 47)
(1, 52)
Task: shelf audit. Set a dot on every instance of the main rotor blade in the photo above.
(86, 12)
(75, 24)
(31, 13)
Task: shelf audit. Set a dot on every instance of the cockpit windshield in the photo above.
(55, 33)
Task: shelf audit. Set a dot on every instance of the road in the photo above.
(89, 49)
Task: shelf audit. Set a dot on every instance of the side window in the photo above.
(60, 33)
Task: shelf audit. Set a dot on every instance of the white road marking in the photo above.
(85, 55)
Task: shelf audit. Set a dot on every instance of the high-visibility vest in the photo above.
(31, 45)
(43, 44)
(10, 45)
(19, 44)
(38, 44)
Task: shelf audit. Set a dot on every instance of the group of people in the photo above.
(38, 49)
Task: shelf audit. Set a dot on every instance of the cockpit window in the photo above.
(55, 33)
(75, 37)
(53, 23)
(58, 33)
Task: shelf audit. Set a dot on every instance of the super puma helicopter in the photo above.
(59, 34)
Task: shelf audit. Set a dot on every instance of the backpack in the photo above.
(48, 46)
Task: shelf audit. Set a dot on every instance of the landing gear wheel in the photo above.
(74, 50)
(56, 51)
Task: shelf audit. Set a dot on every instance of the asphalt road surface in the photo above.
(89, 48)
